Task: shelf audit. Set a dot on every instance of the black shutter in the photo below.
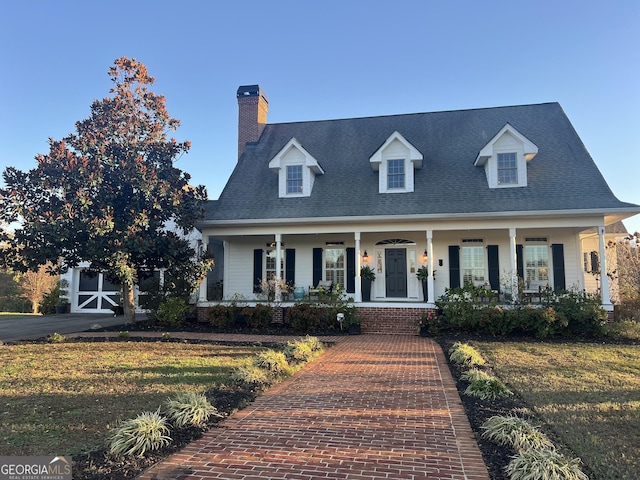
(494, 267)
(557, 256)
(520, 261)
(317, 266)
(290, 266)
(595, 262)
(257, 269)
(351, 270)
(454, 266)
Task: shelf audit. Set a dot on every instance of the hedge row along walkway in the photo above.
(372, 407)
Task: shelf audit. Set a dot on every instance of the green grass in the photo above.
(587, 394)
(64, 398)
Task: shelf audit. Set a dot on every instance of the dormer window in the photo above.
(395, 174)
(294, 179)
(297, 170)
(396, 160)
(505, 158)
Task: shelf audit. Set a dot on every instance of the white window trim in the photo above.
(507, 140)
(396, 147)
(293, 153)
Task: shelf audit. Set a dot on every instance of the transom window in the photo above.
(507, 168)
(395, 174)
(334, 265)
(473, 267)
(294, 178)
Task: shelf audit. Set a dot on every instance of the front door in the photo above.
(396, 272)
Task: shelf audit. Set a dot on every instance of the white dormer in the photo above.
(396, 160)
(505, 158)
(296, 170)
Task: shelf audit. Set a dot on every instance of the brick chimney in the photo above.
(252, 115)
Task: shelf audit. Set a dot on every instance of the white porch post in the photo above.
(358, 292)
(430, 282)
(278, 293)
(604, 279)
(514, 265)
(202, 291)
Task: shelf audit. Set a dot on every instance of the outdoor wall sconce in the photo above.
(365, 257)
(425, 256)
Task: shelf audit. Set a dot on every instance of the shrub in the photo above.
(190, 408)
(314, 343)
(221, 316)
(582, 312)
(298, 352)
(165, 337)
(57, 338)
(487, 389)
(259, 317)
(173, 311)
(148, 431)
(304, 317)
(515, 432)
(544, 465)
(272, 361)
(465, 355)
(123, 335)
(624, 329)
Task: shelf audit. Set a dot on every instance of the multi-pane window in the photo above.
(395, 174)
(536, 259)
(507, 169)
(270, 267)
(294, 178)
(473, 268)
(334, 265)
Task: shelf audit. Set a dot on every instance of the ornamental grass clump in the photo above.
(190, 408)
(490, 388)
(298, 352)
(516, 432)
(544, 465)
(474, 374)
(465, 355)
(251, 375)
(147, 432)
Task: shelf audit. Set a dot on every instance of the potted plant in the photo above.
(367, 275)
(423, 276)
(62, 302)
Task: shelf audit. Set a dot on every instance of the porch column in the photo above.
(604, 278)
(430, 281)
(202, 291)
(513, 265)
(278, 293)
(358, 292)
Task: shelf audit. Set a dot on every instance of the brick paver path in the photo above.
(372, 407)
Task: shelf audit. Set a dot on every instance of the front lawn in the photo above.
(588, 395)
(63, 398)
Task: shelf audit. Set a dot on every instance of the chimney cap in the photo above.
(251, 91)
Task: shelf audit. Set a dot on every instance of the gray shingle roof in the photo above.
(562, 176)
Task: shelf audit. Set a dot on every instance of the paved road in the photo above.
(30, 327)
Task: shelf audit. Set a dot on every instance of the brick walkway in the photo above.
(373, 407)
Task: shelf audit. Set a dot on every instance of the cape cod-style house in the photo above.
(483, 195)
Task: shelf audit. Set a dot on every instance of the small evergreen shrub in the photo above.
(509, 430)
(57, 338)
(465, 355)
(298, 351)
(173, 311)
(544, 465)
(190, 408)
(221, 316)
(624, 329)
(305, 317)
(123, 335)
(275, 363)
(488, 389)
(147, 432)
(165, 337)
(259, 317)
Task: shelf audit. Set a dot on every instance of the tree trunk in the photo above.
(35, 305)
(128, 303)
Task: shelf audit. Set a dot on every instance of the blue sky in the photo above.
(322, 60)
